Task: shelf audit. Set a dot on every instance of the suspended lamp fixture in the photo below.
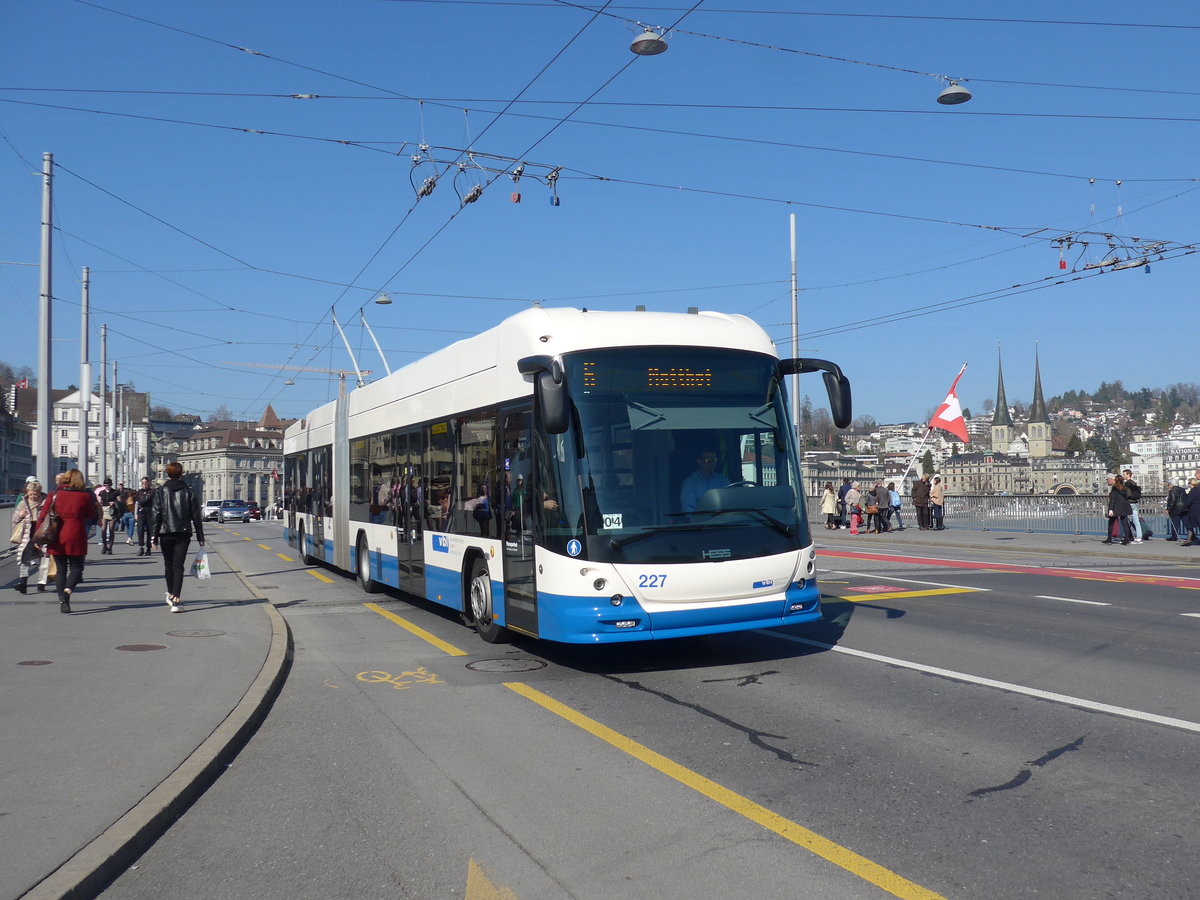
(953, 94)
(648, 43)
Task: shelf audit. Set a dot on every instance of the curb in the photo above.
(102, 861)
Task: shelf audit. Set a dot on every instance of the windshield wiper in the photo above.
(618, 543)
(781, 527)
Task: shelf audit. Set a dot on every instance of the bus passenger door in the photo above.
(416, 497)
(516, 532)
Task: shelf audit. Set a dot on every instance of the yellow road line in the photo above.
(416, 629)
(785, 828)
(247, 539)
(900, 595)
(237, 533)
(283, 556)
(264, 546)
(317, 575)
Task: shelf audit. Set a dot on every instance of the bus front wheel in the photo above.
(480, 603)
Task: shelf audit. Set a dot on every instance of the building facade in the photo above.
(126, 424)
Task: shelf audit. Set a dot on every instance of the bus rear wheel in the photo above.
(363, 555)
(303, 547)
(480, 606)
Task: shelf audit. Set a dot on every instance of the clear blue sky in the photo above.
(209, 244)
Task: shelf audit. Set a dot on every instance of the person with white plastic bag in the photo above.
(30, 559)
(174, 514)
(201, 570)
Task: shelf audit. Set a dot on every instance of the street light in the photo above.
(953, 94)
(648, 43)
(383, 300)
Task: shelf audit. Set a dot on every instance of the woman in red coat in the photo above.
(77, 507)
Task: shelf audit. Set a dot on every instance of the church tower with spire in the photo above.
(1041, 438)
(1002, 423)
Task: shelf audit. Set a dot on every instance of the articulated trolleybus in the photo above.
(578, 476)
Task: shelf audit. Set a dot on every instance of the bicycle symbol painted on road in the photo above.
(402, 681)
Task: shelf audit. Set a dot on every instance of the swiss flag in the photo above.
(949, 415)
(23, 383)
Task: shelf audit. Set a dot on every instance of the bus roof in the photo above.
(540, 331)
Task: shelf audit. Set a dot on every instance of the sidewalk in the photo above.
(118, 715)
(1076, 546)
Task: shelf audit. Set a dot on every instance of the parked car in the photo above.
(233, 511)
(255, 511)
(211, 510)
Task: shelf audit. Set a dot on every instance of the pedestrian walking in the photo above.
(854, 508)
(843, 520)
(175, 512)
(937, 503)
(829, 507)
(1118, 511)
(143, 500)
(920, 498)
(1174, 508)
(77, 510)
(108, 498)
(29, 554)
(1190, 514)
(1134, 492)
(894, 506)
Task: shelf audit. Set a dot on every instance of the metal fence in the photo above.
(1059, 514)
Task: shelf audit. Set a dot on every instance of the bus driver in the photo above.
(705, 478)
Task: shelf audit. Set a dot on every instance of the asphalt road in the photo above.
(951, 729)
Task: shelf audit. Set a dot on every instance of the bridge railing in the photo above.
(1058, 514)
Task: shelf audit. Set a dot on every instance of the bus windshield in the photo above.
(675, 454)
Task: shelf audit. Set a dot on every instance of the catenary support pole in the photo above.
(102, 472)
(85, 379)
(795, 347)
(45, 408)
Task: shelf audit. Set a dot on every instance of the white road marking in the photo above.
(1002, 685)
(1193, 615)
(1071, 600)
(905, 580)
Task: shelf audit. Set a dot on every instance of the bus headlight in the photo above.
(616, 600)
(599, 584)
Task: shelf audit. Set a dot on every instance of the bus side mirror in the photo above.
(549, 389)
(837, 385)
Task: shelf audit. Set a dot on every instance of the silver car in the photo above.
(233, 511)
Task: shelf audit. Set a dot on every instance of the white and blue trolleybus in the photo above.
(572, 475)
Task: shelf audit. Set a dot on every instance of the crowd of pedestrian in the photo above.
(52, 531)
(871, 510)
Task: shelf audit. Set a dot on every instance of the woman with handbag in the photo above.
(62, 528)
(174, 512)
(29, 554)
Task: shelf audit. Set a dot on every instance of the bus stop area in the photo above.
(118, 715)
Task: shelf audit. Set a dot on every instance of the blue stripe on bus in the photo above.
(580, 619)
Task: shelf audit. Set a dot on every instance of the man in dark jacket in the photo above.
(143, 499)
(842, 491)
(1191, 512)
(920, 496)
(174, 512)
(110, 513)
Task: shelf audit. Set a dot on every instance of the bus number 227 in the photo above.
(652, 581)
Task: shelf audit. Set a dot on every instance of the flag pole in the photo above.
(911, 462)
